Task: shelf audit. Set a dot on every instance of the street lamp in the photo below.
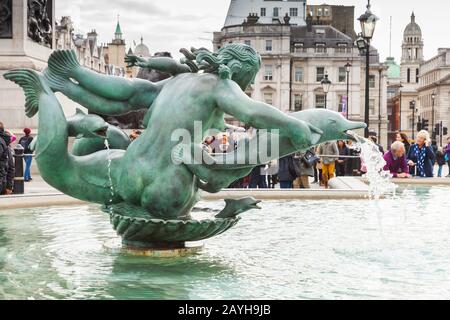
(412, 106)
(368, 22)
(348, 68)
(326, 84)
(433, 99)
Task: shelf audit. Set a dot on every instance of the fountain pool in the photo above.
(390, 249)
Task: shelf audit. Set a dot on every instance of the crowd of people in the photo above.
(404, 159)
(7, 162)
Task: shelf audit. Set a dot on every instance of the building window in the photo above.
(320, 74)
(342, 48)
(298, 74)
(263, 12)
(371, 81)
(417, 75)
(269, 45)
(268, 73)
(408, 75)
(321, 48)
(268, 98)
(319, 12)
(326, 12)
(248, 42)
(293, 12)
(342, 103)
(276, 12)
(342, 74)
(320, 101)
(298, 102)
(372, 107)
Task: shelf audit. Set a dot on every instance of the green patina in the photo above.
(144, 178)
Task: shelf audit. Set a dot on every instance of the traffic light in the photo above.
(445, 131)
(425, 124)
(437, 129)
(419, 124)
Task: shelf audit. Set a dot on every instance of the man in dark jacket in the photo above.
(286, 172)
(5, 158)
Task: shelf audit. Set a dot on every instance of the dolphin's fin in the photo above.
(60, 64)
(33, 86)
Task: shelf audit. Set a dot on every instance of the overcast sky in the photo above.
(171, 24)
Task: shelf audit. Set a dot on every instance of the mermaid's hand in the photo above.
(134, 61)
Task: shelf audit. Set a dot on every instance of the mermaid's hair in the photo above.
(229, 60)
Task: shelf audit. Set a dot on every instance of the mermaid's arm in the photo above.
(232, 100)
(162, 64)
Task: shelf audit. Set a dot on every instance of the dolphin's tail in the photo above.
(60, 65)
(32, 84)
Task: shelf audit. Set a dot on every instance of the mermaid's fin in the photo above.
(33, 86)
(60, 65)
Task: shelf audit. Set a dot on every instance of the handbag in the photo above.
(310, 159)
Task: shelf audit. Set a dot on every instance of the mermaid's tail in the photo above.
(60, 65)
(33, 86)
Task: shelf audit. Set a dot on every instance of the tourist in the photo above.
(4, 142)
(421, 155)
(329, 154)
(353, 163)
(396, 162)
(440, 159)
(375, 140)
(25, 142)
(403, 138)
(341, 163)
(208, 144)
(7, 167)
(305, 171)
(272, 174)
(258, 178)
(286, 172)
(135, 134)
(447, 155)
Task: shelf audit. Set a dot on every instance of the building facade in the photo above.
(296, 58)
(435, 81)
(406, 102)
(268, 11)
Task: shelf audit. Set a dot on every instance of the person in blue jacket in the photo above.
(421, 156)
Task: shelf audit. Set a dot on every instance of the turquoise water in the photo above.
(398, 248)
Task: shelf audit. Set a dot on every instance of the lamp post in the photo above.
(326, 84)
(412, 106)
(348, 67)
(368, 22)
(433, 99)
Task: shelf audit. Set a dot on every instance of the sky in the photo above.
(172, 24)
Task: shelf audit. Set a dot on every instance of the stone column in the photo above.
(27, 45)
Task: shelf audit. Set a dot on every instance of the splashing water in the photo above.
(380, 181)
(111, 185)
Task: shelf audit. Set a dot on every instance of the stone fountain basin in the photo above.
(136, 226)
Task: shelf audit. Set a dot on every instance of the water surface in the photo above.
(397, 248)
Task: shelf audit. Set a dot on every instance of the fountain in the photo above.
(149, 197)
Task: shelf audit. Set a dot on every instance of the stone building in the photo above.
(407, 89)
(296, 58)
(435, 78)
(340, 17)
(267, 11)
(89, 52)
